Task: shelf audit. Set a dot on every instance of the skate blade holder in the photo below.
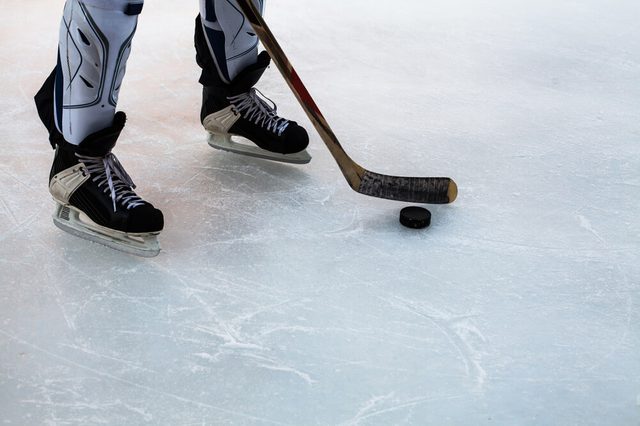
(80, 225)
(240, 145)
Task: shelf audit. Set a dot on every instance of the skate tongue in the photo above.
(100, 143)
(250, 75)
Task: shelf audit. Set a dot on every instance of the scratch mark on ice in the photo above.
(369, 410)
(586, 224)
(273, 365)
(460, 333)
(148, 389)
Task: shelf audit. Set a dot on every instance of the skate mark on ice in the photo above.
(20, 227)
(368, 407)
(148, 417)
(70, 391)
(237, 346)
(376, 406)
(586, 224)
(279, 328)
(79, 309)
(10, 213)
(103, 289)
(145, 388)
(353, 227)
(459, 331)
(186, 183)
(250, 346)
(70, 320)
(240, 319)
(274, 365)
(134, 366)
(28, 188)
(226, 171)
(175, 339)
(236, 343)
(225, 283)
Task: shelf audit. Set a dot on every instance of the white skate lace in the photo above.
(108, 172)
(256, 109)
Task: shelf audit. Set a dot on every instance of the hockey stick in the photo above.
(430, 190)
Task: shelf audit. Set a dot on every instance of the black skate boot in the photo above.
(236, 112)
(95, 198)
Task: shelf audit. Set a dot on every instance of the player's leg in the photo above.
(95, 196)
(227, 52)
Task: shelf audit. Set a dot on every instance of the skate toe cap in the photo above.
(296, 138)
(145, 218)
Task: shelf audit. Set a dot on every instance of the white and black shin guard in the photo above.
(95, 42)
(231, 42)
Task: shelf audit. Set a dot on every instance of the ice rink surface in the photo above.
(283, 297)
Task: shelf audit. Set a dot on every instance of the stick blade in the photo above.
(427, 190)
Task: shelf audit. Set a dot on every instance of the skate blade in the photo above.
(76, 223)
(240, 145)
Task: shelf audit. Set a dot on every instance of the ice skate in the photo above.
(242, 120)
(95, 198)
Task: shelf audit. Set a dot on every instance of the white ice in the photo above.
(283, 297)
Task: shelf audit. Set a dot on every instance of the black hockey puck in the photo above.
(415, 217)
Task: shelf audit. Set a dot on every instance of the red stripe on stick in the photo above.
(304, 93)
